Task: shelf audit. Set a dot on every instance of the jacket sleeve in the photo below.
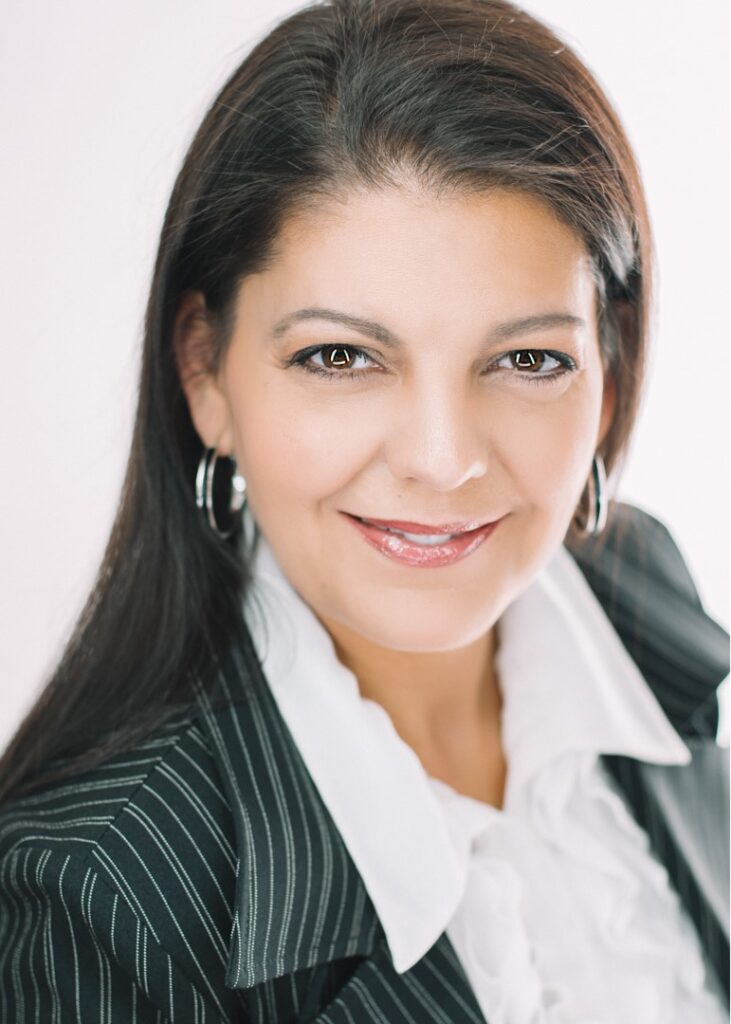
(73, 949)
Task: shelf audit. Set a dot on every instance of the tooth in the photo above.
(416, 538)
(426, 538)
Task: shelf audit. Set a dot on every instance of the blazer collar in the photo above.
(300, 900)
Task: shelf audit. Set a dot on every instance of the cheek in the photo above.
(548, 448)
(298, 446)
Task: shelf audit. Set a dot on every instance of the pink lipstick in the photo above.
(443, 544)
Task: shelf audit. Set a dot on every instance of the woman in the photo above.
(381, 708)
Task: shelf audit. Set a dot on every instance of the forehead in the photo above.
(427, 258)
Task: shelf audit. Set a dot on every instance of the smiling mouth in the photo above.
(422, 548)
(423, 533)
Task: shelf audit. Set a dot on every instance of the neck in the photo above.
(440, 702)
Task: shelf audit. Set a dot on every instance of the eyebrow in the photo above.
(506, 329)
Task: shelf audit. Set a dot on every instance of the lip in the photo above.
(411, 553)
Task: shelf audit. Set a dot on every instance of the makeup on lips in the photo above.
(420, 545)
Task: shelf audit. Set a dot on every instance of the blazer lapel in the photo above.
(694, 807)
(300, 900)
(684, 810)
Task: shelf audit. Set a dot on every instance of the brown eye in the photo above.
(336, 356)
(537, 365)
(525, 359)
(334, 362)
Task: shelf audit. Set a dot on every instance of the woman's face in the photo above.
(439, 397)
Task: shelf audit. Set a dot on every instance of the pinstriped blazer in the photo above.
(200, 878)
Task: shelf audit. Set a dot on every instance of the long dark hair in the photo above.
(468, 94)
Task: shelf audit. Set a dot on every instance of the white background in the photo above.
(99, 103)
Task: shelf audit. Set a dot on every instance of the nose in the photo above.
(435, 439)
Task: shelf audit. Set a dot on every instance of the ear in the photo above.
(193, 346)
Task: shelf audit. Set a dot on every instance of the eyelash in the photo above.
(301, 359)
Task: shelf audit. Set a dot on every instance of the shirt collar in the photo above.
(568, 684)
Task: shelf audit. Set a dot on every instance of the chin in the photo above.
(418, 634)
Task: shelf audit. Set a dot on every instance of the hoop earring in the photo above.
(598, 504)
(204, 487)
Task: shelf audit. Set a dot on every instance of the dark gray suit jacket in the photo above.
(200, 878)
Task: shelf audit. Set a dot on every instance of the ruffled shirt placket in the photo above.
(540, 888)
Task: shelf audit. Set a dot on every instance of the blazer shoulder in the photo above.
(131, 866)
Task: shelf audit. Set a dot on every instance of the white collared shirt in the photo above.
(556, 907)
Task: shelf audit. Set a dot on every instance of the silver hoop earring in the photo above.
(211, 492)
(598, 503)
